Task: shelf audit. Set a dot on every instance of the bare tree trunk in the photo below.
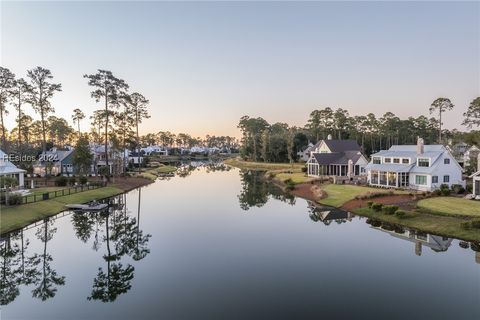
(106, 134)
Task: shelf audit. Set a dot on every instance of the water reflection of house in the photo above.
(420, 239)
(328, 214)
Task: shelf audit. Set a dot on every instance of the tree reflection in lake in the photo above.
(256, 191)
(122, 237)
(116, 229)
(10, 279)
(44, 277)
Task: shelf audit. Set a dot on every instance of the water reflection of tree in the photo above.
(256, 191)
(83, 224)
(42, 275)
(10, 279)
(217, 166)
(122, 237)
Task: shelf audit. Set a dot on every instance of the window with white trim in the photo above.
(446, 161)
(434, 179)
(446, 179)
(387, 160)
(376, 160)
(423, 162)
(421, 180)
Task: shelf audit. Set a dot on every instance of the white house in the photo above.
(341, 158)
(476, 180)
(421, 167)
(305, 154)
(8, 169)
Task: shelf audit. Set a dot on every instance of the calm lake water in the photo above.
(216, 244)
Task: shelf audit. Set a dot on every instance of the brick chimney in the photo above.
(420, 146)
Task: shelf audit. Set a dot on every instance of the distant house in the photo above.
(54, 162)
(135, 157)
(420, 167)
(305, 154)
(470, 155)
(336, 158)
(476, 180)
(8, 169)
(154, 150)
(116, 159)
(458, 151)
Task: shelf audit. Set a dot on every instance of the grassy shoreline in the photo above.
(434, 215)
(429, 223)
(13, 218)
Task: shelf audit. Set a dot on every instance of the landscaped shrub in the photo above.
(14, 199)
(401, 214)
(472, 224)
(391, 209)
(61, 181)
(71, 181)
(377, 206)
(444, 190)
(290, 184)
(475, 223)
(458, 189)
(83, 180)
(369, 204)
(304, 169)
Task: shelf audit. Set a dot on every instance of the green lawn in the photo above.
(339, 194)
(451, 206)
(297, 177)
(446, 226)
(250, 165)
(153, 173)
(12, 218)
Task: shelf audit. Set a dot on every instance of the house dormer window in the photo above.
(387, 160)
(396, 160)
(423, 162)
(406, 161)
(446, 161)
(376, 160)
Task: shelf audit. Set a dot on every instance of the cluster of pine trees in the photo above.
(280, 142)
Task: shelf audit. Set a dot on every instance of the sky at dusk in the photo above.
(204, 65)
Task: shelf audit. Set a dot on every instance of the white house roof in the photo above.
(433, 152)
(6, 167)
(389, 167)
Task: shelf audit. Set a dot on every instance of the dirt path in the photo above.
(308, 191)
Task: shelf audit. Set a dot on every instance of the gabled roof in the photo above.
(342, 145)
(59, 155)
(6, 167)
(337, 157)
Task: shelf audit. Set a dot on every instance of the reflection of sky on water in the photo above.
(209, 258)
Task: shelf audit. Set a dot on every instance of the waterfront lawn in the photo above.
(153, 173)
(12, 218)
(339, 194)
(444, 225)
(250, 165)
(451, 206)
(296, 177)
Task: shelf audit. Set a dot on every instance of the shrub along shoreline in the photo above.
(16, 217)
(421, 214)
